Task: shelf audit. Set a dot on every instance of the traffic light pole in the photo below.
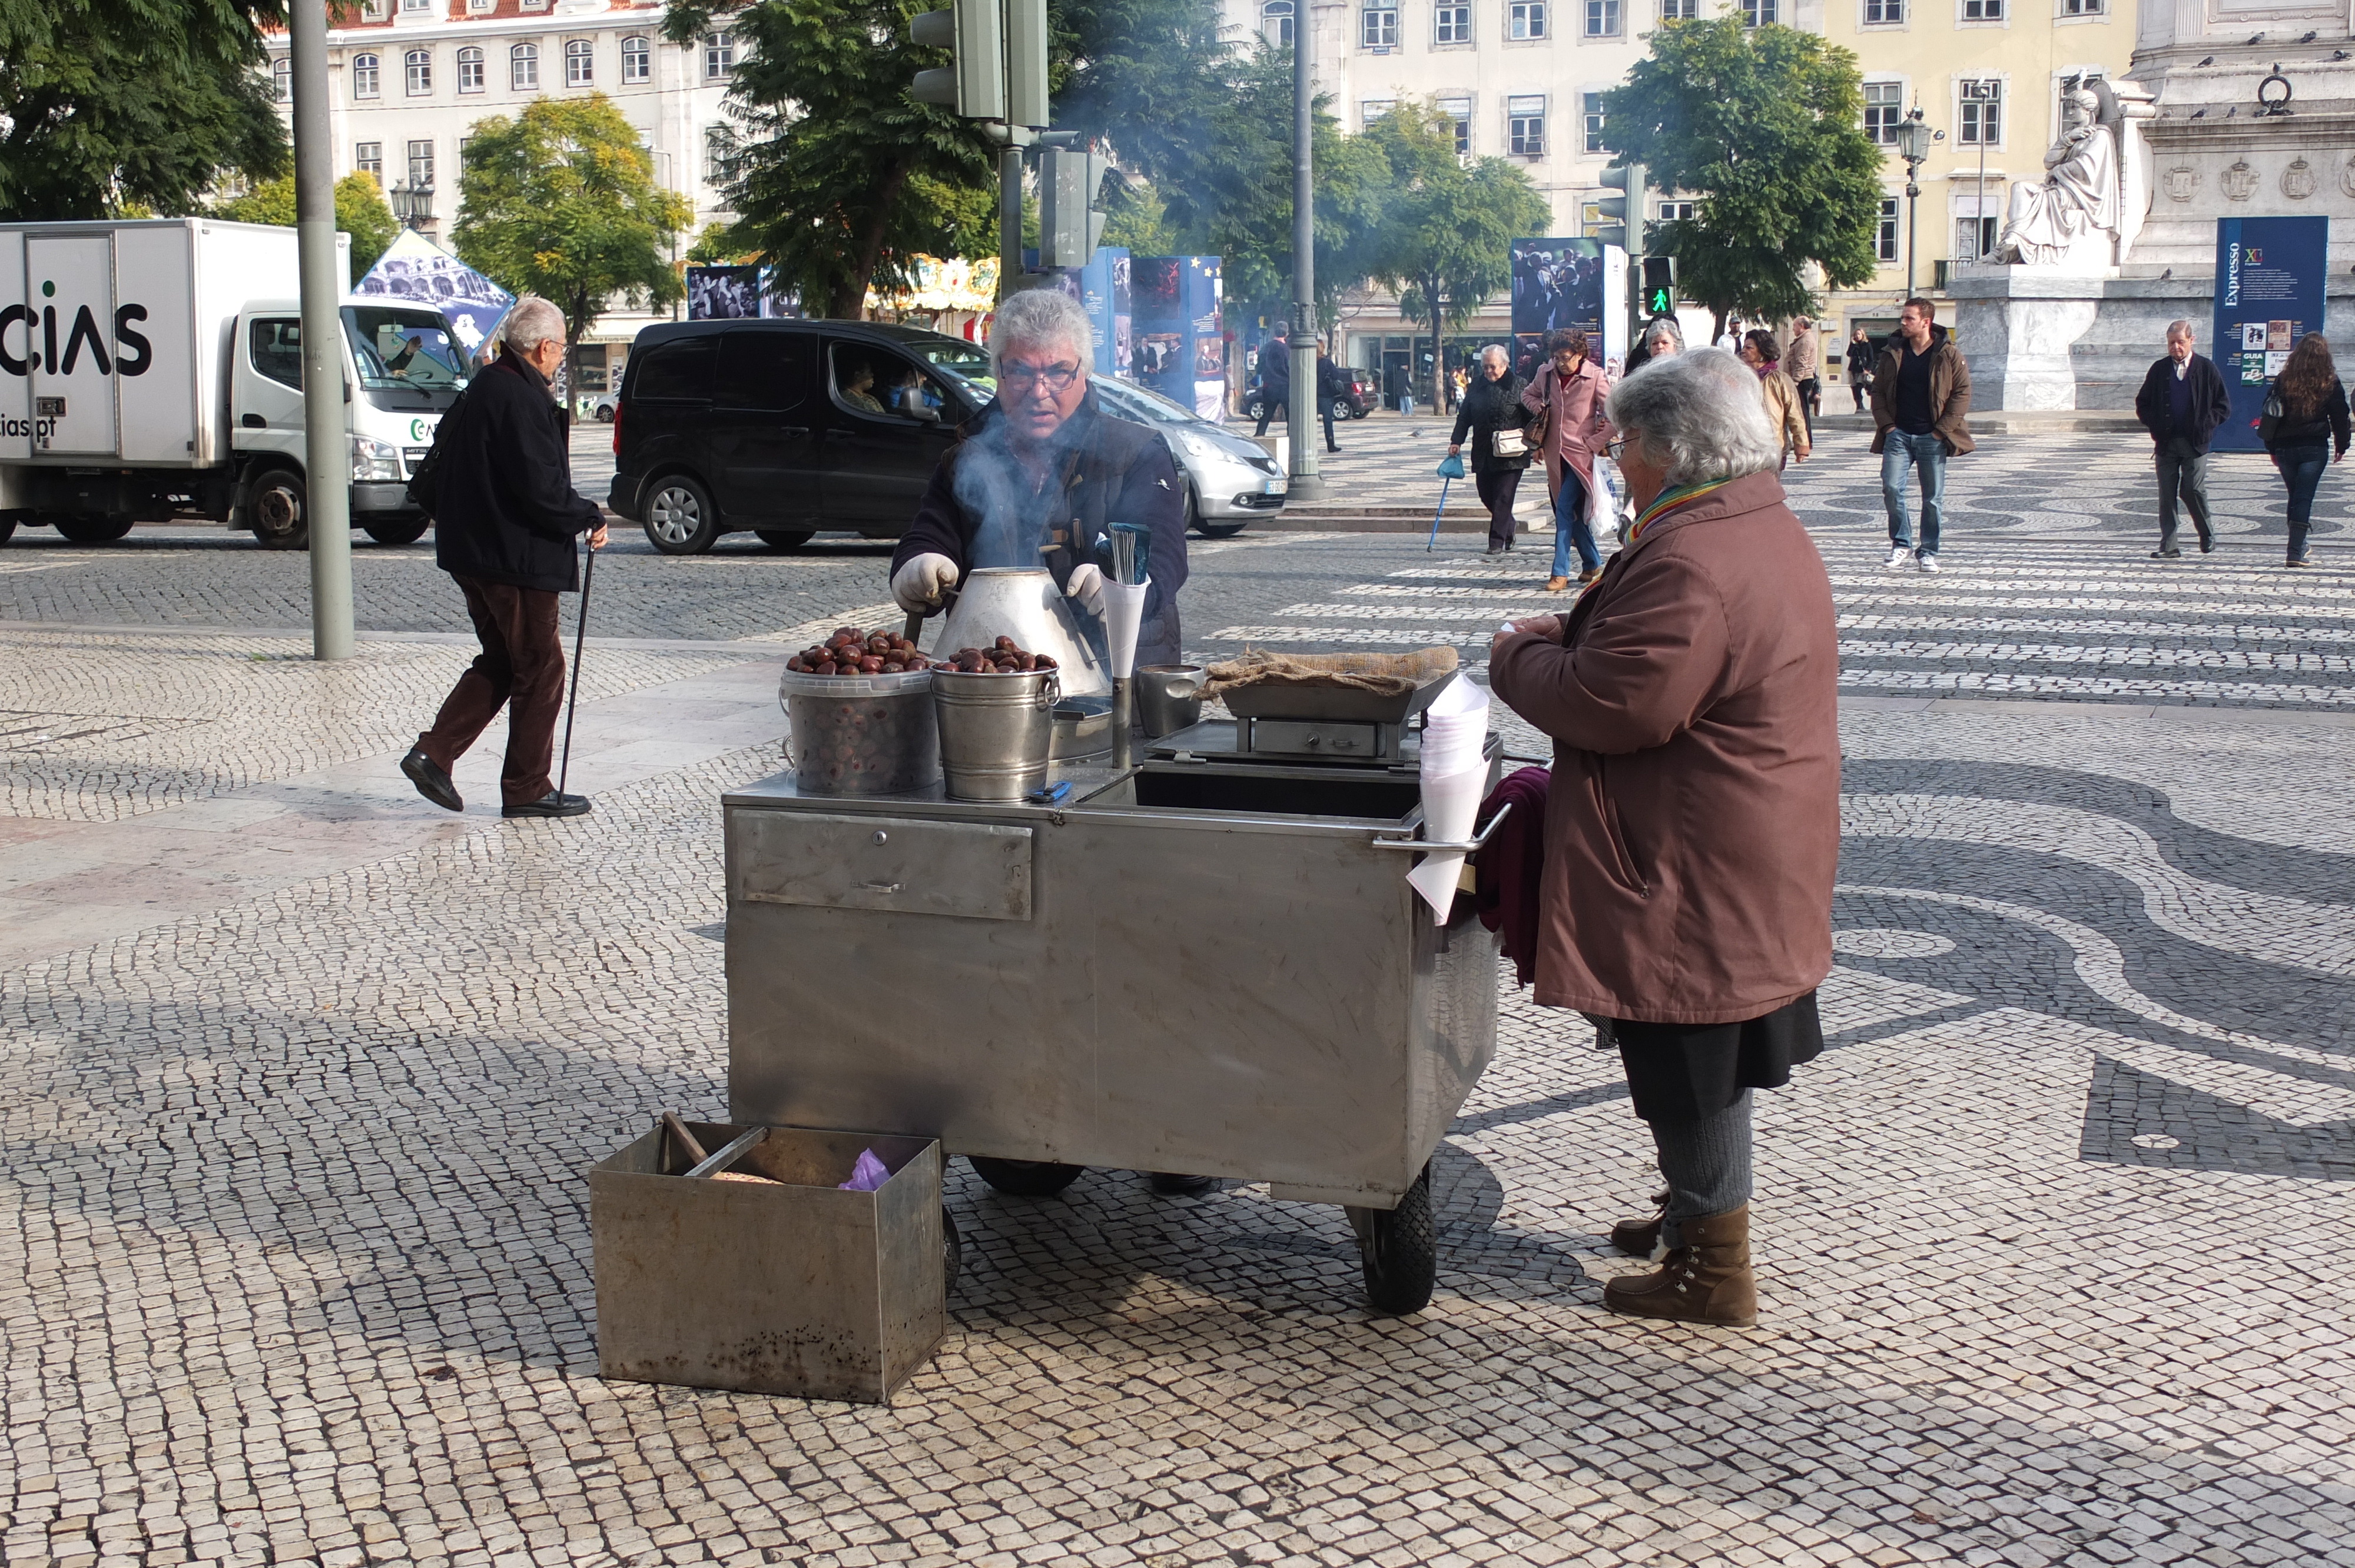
(1009, 222)
(1306, 483)
(327, 448)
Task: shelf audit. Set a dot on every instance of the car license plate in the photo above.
(1273, 486)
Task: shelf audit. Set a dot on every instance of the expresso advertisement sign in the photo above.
(2269, 281)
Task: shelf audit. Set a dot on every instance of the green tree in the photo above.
(562, 202)
(361, 212)
(1764, 125)
(112, 106)
(1443, 235)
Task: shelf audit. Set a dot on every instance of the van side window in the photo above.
(675, 370)
(876, 381)
(765, 369)
(275, 344)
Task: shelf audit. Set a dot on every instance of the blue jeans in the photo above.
(1928, 453)
(2301, 470)
(1570, 525)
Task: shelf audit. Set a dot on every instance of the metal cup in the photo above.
(997, 732)
(1169, 698)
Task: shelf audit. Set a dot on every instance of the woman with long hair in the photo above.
(2314, 420)
(1758, 350)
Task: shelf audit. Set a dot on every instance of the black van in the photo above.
(786, 428)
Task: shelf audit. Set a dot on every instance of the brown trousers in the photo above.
(522, 666)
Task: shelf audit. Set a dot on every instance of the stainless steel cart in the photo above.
(1210, 963)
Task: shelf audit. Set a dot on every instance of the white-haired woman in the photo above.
(1490, 406)
(1042, 475)
(1692, 819)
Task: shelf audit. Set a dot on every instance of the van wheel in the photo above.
(277, 511)
(94, 530)
(405, 533)
(7, 526)
(785, 538)
(680, 518)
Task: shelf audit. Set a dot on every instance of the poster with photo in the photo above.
(417, 272)
(2270, 273)
(722, 293)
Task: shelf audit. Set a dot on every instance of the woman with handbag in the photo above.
(1490, 411)
(1570, 427)
(2305, 417)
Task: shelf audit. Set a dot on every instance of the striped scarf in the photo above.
(1669, 500)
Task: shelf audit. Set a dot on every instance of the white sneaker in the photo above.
(1929, 562)
(1898, 556)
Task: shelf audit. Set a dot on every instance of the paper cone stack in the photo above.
(1454, 776)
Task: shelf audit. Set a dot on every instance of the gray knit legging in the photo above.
(1706, 1164)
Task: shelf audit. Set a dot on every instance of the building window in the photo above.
(1884, 241)
(1883, 13)
(1526, 19)
(533, 4)
(420, 165)
(1601, 18)
(1275, 23)
(481, 7)
(1982, 10)
(282, 78)
(1884, 106)
(1525, 127)
(1979, 123)
(719, 55)
(1679, 10)
(637, 60)
(1973, 239)
(1452, 24)
(1591, 126)
(1758, 13)
(1380, 28)
(470, 69)
(523, 67)
(1373, 110)
(2083, 8)
(1679, 211)
(366, 79)
(719, 155)
(579, 63)
(417, 8)
(1460, 110)
(367, 157)
(417, 65)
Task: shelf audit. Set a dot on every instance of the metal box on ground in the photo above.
(790, 1286)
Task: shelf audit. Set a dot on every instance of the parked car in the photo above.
(1230, 478)
(1353, 404)
(603, 409)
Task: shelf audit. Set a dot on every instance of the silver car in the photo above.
(1229, 479)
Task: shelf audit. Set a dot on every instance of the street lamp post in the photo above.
(1913, 138)
(1304, 481)
(326, 445)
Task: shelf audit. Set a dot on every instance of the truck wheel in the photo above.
(94, 530)
(785, 538)
(1026, 1177)
(277, 510)
(1398, 1250)
(680, 518)
(406, 532)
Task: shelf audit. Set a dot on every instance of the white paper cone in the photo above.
(1451, 809)
(1123, 617)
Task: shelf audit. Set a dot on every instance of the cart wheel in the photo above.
(952, 1250)
(1026, 1177)
(1400, 1250)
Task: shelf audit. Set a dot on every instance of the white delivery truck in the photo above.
(152, 370)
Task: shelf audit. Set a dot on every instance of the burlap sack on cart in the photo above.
(1391, 674)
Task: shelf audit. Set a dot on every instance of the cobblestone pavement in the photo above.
(293, 1250)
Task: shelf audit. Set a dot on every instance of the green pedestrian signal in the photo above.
(1659, 285)
(1660, 302)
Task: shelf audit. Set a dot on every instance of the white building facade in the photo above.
(409, 80)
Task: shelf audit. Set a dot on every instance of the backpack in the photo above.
(2269, 422)
(425, 484)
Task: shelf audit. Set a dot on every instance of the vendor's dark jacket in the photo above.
(1692, 822)
(1107, 471)
(2154, 405)
(1950, 390)
(508, 511)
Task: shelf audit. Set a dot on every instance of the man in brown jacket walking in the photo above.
(1692, 822)
(1921, 417)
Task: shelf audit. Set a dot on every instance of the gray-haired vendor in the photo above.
(1042, 475)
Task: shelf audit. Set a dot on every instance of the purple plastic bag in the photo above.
(868, 1174)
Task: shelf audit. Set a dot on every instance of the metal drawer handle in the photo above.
(879, 886)
(1469, 846)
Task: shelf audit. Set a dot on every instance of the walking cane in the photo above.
(579, 637)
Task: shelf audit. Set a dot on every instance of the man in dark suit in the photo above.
(2181, 402)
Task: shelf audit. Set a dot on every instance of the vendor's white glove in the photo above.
(1086, 585)
(918, 586)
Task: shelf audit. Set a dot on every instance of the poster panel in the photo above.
(2269, 294)
(415, 270)
(1557, 284)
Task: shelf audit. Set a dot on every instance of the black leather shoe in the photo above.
(431, 780)
(2207, 543)
(550, 805)
(1170, 1185)
(2167, 554)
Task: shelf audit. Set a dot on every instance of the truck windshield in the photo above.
(408, 358)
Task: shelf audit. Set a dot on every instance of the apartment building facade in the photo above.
(409, 80)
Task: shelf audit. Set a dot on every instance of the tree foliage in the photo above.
(1442, 231)
(1764, 125)
(562, 202)
(361, 212)
(112, 106)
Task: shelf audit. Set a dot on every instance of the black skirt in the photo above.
(1683, 1071)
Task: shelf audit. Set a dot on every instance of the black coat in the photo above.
(2325, 425)
(2155, 407)
(1275, 370)
(1106, 470)
(1486, 405)
(509, 514)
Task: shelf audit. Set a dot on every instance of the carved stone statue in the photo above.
(2070, 216)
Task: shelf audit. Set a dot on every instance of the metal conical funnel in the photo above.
(999, 602)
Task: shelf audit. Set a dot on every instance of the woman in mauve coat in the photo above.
(1692, 820)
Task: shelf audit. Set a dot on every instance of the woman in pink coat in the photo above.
(1569, 392)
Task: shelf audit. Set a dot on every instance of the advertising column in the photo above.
(2269, 280)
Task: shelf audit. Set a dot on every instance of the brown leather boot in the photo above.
(1707, 1280)
(1557, 585)
(1641, 1238)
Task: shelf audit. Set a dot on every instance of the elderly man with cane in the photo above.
(1693, 817)
(504, 526)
